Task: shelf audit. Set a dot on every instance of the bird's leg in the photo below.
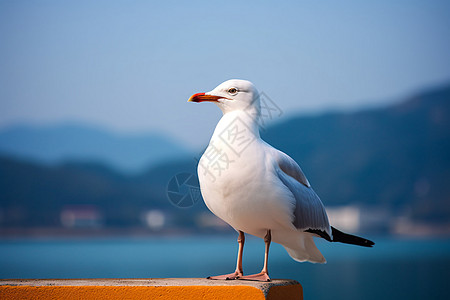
(267, 240)
(241, 240)
(264, 274)
(239, 272)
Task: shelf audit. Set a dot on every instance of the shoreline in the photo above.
(106, 233)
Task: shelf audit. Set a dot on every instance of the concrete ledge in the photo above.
(151, 288)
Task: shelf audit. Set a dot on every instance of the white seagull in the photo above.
(258, 189)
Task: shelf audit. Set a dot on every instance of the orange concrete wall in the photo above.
(229, 292)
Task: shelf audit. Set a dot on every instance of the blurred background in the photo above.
(99, 148)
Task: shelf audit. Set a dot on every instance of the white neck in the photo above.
(238, 121)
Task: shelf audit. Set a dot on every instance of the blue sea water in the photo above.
(393, 269)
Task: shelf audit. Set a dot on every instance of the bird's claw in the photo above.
(231, 276)
(263, 276)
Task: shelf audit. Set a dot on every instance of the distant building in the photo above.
(154, 219)
(353, 219)
(346, 218)
(82, 216)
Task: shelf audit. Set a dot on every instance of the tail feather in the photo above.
(304, 250)
(339, 236)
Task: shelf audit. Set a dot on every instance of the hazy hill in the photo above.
(34, 195)
(58, 143)
(396, 157)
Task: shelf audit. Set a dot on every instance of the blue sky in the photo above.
(131, 65)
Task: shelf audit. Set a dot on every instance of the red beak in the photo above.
(201, 97)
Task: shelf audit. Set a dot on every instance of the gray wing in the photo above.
(309, 211)
(291, 168)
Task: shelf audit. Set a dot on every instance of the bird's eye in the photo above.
(232, 91)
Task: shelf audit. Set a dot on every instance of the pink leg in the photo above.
(264, 274)
(238, 273)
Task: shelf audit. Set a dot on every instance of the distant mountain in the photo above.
(33, 195)
(396, 156)
(55, 144)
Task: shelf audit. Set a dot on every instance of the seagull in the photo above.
(258, 189)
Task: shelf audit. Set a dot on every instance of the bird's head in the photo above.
(232, 95)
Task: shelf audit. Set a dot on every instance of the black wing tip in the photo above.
(339, 236)
(342, 237)
(368, 243)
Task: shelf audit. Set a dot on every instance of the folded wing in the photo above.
(309, 211)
